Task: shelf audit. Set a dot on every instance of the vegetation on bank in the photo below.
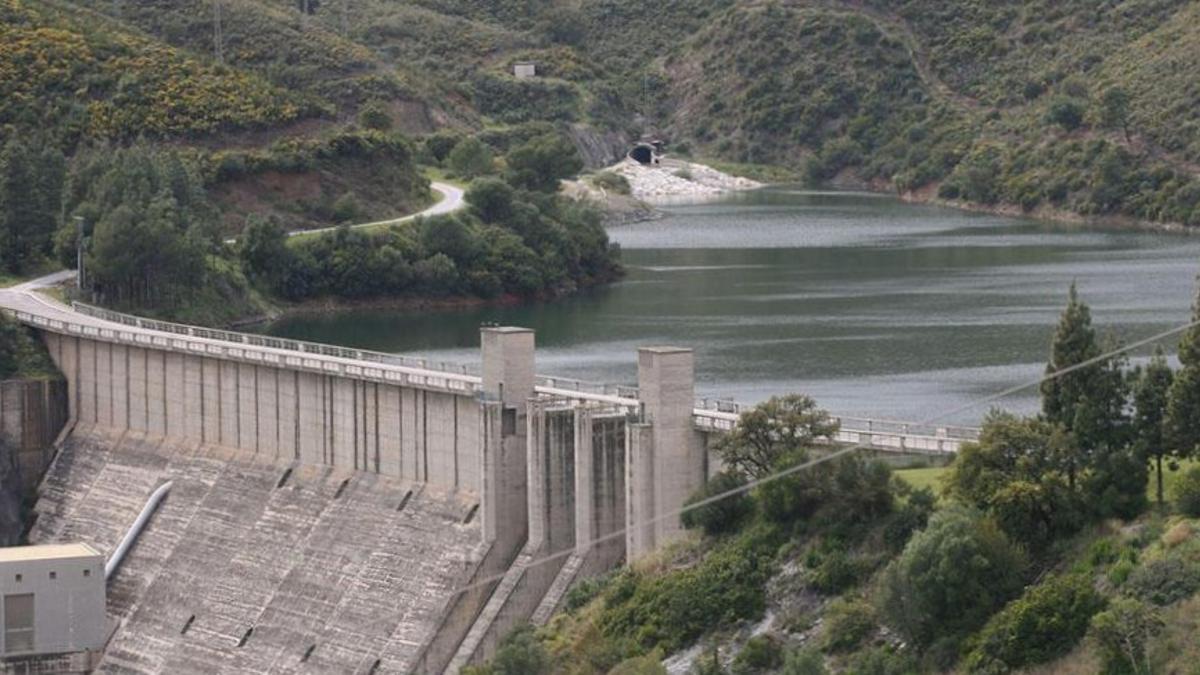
(1043, 550)
(21, 353)
(517, 237)
(154, 241)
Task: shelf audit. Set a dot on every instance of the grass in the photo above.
(931, 478)
(437, 173)
(763, 173)
(928, 477)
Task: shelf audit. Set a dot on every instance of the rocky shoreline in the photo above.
(675, 179)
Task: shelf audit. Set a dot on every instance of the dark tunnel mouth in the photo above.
(643, 154)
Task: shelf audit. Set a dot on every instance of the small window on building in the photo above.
(54, 575)
(508, 422)
(18, 623)
(19, 578)
(87, 573)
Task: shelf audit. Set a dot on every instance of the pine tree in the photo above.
(1182, 425)
(1064, 397)
(18, 212)
(1150, 399)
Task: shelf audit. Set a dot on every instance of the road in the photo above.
(452, 200)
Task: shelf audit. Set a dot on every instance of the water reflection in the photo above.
(875, 306)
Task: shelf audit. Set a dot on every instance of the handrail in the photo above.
(709, 413)
(256, 340)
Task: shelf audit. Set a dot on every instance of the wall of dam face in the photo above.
(32, 414)
(252, 565)
(459, 508)
(289, 415)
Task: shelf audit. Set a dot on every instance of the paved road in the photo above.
(452, 200)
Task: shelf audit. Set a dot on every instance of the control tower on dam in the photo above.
(336, 510)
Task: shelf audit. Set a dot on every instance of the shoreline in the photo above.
(1045, 214)
(622, 214)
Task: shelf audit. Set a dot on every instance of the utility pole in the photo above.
(79, 252)
(218, 37)
(345, 18)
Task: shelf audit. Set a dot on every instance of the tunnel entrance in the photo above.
(642, 154)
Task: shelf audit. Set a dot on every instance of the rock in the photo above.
(675, 178)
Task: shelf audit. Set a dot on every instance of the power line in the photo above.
(675, 513)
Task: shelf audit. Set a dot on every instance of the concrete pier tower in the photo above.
(508, 384)
(665, 462)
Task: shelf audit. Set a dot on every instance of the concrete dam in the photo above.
(330, 505)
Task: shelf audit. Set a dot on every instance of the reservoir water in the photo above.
(875, 307)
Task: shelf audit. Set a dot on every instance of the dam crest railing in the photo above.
(710, 413)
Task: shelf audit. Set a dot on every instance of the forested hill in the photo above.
(204, 117)
(1067, 106)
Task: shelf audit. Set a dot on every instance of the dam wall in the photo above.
(32, 414)
(430, 434)
(256, 565)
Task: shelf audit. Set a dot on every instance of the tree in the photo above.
(1182, 424)
(563, 25)
(10, 346)
(1114, 109)
(31, 185)
(151, 223)
(1086, 398)
(951, 577)
(491, 199)
(1123, 632)
(721, 516)
(264, 251)
(1066, 112)
(1150, 399)
(470, 158)
(373, 115)
(1043, 624)
(777, 428)
(542, 163)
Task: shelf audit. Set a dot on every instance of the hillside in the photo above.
(1065, 110)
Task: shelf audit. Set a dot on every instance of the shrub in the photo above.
(761, 654)
(909, 518)
(804, 662)
(721, 516)
(848, 492)
(671, 610)
(470, 158)
(373, 115)
(951, 577)
(519, 654)
(346, 208)
(847, 624)
(612, 182)
(1121, 634)
(1119, 573)
(1041, 625)
(1164, 581)
(883, 661)
(1186, 493)
(1066, 112)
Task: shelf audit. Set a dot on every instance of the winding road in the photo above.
(451, 201)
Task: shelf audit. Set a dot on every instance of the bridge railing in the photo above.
(586, 388)
(270, 342)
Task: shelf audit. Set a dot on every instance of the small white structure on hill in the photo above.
(53, 600)
(524, 70)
